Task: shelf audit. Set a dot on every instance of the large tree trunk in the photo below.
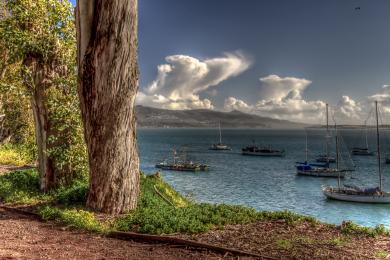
(108, 83)
(35, 80)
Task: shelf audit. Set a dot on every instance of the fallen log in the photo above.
(183, 242)
(155, 238)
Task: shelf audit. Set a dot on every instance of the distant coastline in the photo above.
(149, 117)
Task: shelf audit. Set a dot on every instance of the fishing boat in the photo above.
(266, 151)
(359, 194)
(184, 165)
(364, 151)
(219, 146)
(326, 158)
(321, 169)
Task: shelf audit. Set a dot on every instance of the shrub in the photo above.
(75, 218)
(20, 187)
(74, 194)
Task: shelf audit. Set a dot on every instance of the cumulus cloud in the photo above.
(180, 81)
(348, 111)
(232, 103)
(282, 98)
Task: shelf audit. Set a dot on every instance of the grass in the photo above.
(284, 244)
(382, 254)
(161, 210)
(74, 218)
(14, 155)
(348, 227)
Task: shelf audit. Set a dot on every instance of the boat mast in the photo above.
(327, 133)
(306, 150)
(366, 137)
(337, 155)
(378, 146)
(220, 135)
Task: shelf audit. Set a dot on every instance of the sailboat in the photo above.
(220, 146)
(365, 194)
(326, 158)
(321, 169)
(362, 150)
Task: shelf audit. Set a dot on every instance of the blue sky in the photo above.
(277, 58)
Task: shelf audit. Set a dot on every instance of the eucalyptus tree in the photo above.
(39, 39)
(108, 82)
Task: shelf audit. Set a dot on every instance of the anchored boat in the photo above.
(220, 146)
(326, 158)
(358, 194)
(262, 151)
(364, 151)
(321, 169)
(184, 165)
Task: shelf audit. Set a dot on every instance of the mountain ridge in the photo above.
(150, 117)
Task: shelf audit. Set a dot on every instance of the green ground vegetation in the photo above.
(161, 209)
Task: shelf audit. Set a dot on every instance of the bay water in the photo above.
(267, 183)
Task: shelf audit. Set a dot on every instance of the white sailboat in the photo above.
(219, 146)
(363, 150)
(357, 194)
(326, 158)
(323, 169)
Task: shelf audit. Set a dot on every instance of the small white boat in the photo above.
(220, 146)
(357, 194)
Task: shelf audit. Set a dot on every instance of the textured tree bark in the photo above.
(35, 79)
(108, 83)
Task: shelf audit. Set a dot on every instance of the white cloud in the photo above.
(282, 98)
(348, 111)
(232, 103)
(180, 81)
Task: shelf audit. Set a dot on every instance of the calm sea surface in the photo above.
(267, 183)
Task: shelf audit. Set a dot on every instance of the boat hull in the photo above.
(322, 173)
(220, 148)
(380, 199)
(183, 168)
(326, 160)
(276, 154)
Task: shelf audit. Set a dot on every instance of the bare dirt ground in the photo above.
(23, 237)
(301, 241)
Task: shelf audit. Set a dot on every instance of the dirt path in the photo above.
(9, 168)
(22, 237)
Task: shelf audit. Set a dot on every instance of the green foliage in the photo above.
(155, 215)
(284, 244)
(288, 216)
(382, 254)
(74, 218)
(337, 241)
(39, 54)
(20, 187)
(348, 227)
(16, 155)
(75, 194)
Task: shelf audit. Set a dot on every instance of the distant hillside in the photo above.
(202, 118)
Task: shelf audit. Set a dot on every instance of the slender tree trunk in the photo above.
(35, 81)
(108, 83)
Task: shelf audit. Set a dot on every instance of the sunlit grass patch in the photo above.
(11, 155)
